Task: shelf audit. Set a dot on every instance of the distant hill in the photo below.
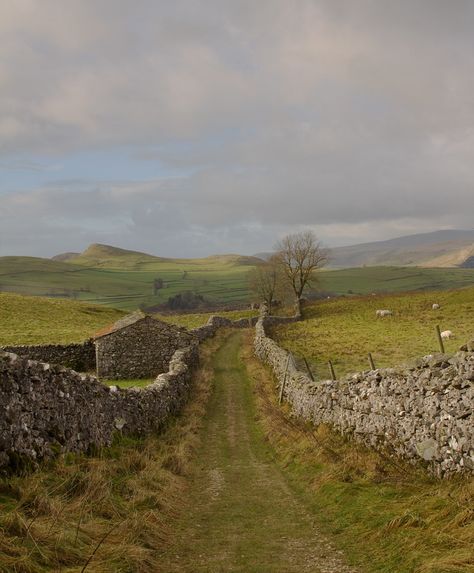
(109, 257)
(448, 248)
(65, 257)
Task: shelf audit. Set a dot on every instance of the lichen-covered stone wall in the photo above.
(424, 412)
(80, 357)
(45, 409)
(140, 350)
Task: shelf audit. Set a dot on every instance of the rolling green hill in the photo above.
(39, 320)
(127, 279)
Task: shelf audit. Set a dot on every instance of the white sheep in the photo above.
(382, 313)
(446, 334)
(435, 306)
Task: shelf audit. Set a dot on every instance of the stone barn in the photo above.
(137, 346)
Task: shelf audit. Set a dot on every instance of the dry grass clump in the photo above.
(108, 513)
(387, 515)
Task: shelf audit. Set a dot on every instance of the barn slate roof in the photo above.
(125, 322)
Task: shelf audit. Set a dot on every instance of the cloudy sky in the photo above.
(192, 127)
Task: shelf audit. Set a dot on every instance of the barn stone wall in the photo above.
(139, 350)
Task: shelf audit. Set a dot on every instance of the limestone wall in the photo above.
(423, 412)
(77, 356)
(45, 409)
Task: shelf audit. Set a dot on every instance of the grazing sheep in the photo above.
(435, 306)
(447, 334)
(382, 313)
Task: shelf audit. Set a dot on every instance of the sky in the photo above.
(190, 128)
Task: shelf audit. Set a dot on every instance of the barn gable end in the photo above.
(137, 346)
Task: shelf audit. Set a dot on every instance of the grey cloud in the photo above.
(354, 118)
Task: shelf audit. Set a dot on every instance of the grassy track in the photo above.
(345, 330)
(243, 517)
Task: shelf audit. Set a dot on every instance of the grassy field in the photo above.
(218, 279)
(38, 320)
(124, 279)
(130, 383)
(345, 330)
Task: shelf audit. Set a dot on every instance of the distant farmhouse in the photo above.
(137, 346)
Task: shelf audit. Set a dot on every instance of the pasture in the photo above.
(218, 279)
(38, 320)
(345, 330)
(125, 280)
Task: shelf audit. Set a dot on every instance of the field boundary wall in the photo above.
(422, 413)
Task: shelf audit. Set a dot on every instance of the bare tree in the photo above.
(300, 255)
(267, 281)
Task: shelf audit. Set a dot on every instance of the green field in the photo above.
(345, 330)
(218, 279)
(125, 279)
(38, 320)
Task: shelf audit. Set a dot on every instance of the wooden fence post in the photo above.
(280, 399)
(371, 361)
(308, 368)
(440, 340)
(331, 370)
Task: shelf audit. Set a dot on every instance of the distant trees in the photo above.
(300, 255)
(267, 281)
(290, 270)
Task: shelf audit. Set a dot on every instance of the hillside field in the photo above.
(345, 330)
(126, 281)
(39, 320)
(218, 279)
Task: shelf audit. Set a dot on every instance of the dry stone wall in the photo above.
(424, 412)
(45, 409)
(77, 356)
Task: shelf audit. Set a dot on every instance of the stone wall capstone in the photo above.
(424, 412)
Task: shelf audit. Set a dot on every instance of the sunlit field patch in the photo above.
(345, 330)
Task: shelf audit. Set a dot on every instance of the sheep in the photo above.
(435, 306)
(446, 334)
(382, 313)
